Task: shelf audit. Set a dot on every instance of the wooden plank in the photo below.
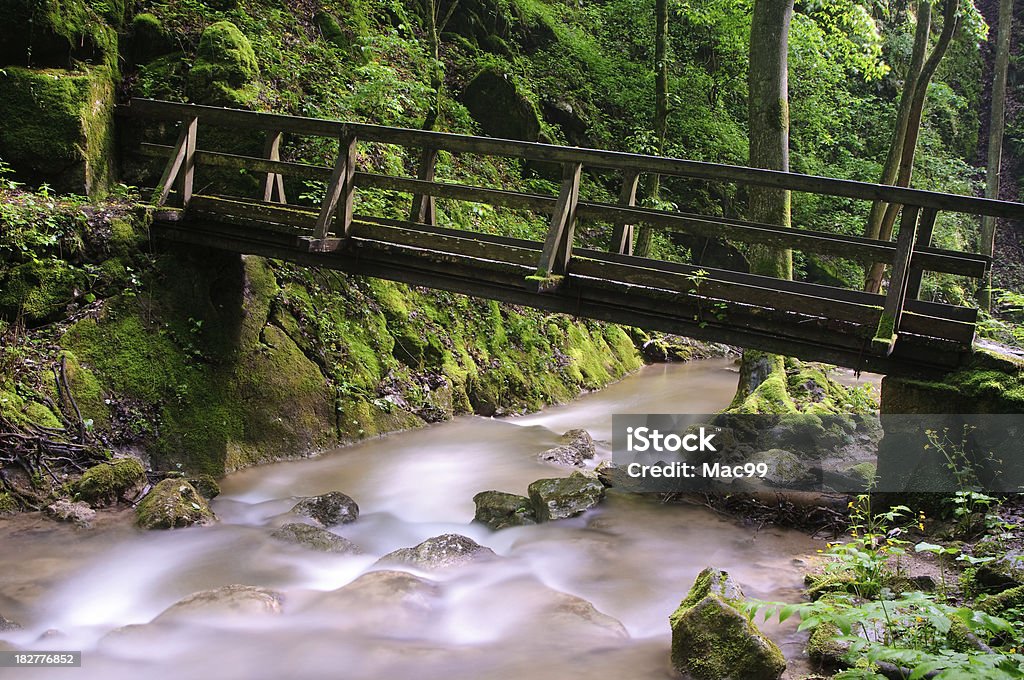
(218, 159)
(169, 176)
(143, 108)
(924, 237)
(463, 243)
(423, 208)
(892, 312)
(558, 246)
(188, 165)
(256, 214)
(273, 184)
(461, 192)
(338, 190)
(622, 234)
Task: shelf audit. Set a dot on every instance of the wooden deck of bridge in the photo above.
(890, 333)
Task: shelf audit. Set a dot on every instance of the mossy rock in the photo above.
(564, 497)
(1001, 602)
(439, 552)
(498, 510)
(315, 538)
(713, 640)
(40, 290)
(122, 479)
(149, 38)
(495, 102)
(206, 485)
(225, 72)
(171, 504)
(58, 127)
(8, 504)
(329, 509)
(60, 34)
(823, 646)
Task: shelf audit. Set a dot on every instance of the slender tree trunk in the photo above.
(768, 114)
(643, 238)
(435, 24)
(951, 15)
(995, 140)
(892, 160)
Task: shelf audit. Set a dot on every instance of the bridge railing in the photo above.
(909, 256)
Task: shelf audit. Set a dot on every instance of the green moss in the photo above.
(1008, 599)
(497, 104)
(8, 504)
(823, 647)
(108, 483)
(225, 71)
(149, 38)
(771, 396)
(58, 126)
(59, 34)
(42, 415)
(40, 290)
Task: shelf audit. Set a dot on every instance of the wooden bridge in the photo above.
(893, 332)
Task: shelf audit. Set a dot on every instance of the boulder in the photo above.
(439, 552)
(497, 510)
(225, 72)
(500, 108)
(713, 640)
(390, 603)
(121, 479)
(329, 509)
(234, 600)
(171, 504)
(316, 538)
(576, 446)
(76, 512)
(562, 497)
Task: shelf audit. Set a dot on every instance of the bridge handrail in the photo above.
(630, 162)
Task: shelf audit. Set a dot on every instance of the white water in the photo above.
(632, 558)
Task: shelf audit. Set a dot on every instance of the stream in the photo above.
(632, 558)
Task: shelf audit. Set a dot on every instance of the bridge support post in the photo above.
(622, 235)
(337, 203)
(423, 204)
(895, 297)
(274, 182)
(554, 258)
(180, 169)
(924, 238)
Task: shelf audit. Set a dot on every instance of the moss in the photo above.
(58, 127)
(823, 647)
(20, 410)
(8, 504)
(149, 38)
(61, 34)
(497, 104)
(108, 483)
(225, 71)
(1001, 602)
(42, 415)
(771, 396)
(39, 290)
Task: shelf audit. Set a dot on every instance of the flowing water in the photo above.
(633, 558)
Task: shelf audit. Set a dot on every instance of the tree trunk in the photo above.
(768, 112)
(643, 238)
(435, 25)
(892, 160)
(951, 15)
(997, 123)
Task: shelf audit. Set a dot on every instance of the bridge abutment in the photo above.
(963, 431)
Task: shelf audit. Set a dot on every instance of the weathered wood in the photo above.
(558, 246)
(423, 208)
(273, 184)
(622, 233)
(592, 157)
(170, 174)
(337, 203)
(217, 159)
(461, 192)
(924, 237)
(186, 177)
(255, 214)
(892, 312)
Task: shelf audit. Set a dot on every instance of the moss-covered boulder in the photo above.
(58, 126)
(500, 108)
(149, 38)
(713, 640)
(329, 509)
(39, 290)
(563, 497)
(1000, 602)
(225, 72)
(105, 484)
(576, 446)
(206, 485)
(439, 552)
(59, 34)
(171, 504)
(315, 538)
(498, 510)
(784, 469)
